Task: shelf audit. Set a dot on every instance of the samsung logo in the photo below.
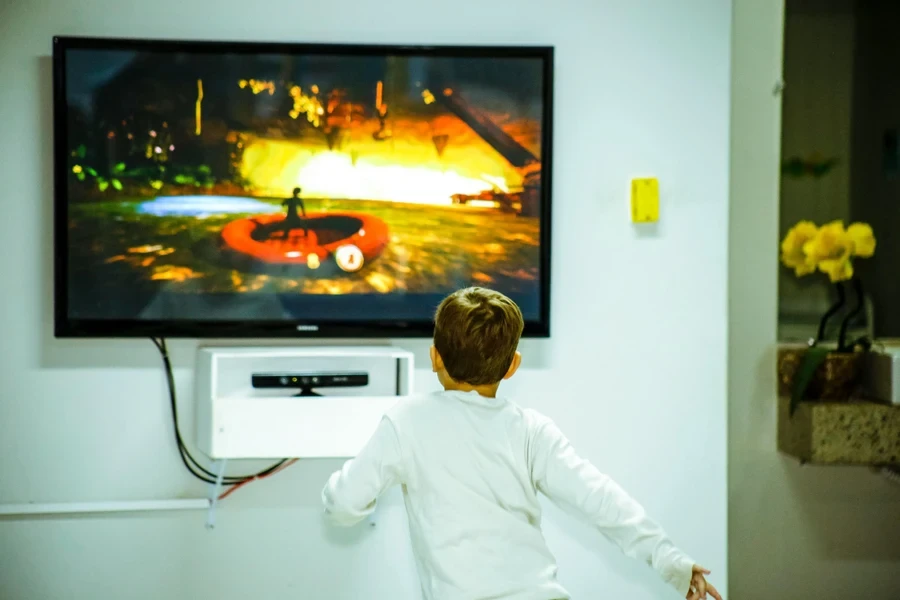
(307, 327)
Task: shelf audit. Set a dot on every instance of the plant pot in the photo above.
(837, 378)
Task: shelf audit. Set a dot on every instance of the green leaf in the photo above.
(119, 168)
(81, 176)
(117, 184)
(81, 151)
(812, 360)
(91, 172)
(102, 185)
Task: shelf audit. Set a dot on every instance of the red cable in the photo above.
(243, 483)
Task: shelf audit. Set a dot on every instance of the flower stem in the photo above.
(860, 301)
(837, 306)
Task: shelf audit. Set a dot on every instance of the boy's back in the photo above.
(473, 509)
(471, 466)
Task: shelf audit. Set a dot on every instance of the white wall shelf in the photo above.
(237, 421)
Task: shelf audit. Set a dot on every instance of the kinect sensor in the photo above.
(306, 382)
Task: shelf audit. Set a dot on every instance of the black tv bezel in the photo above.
(66, 327)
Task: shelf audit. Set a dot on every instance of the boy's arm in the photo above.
(575, 484)
(350, 494)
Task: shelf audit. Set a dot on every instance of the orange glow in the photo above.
(482, 203)
(198, 117)
(497, 182)
(380, 105)
(306, 105)
(257, 86)
(174, 273)
(410, 170)
(333, 174)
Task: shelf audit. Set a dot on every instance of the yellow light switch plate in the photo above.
(644, 200)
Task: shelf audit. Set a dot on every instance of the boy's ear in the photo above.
(514, 366)
(437, 364)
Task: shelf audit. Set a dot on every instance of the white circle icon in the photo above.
(349, 258)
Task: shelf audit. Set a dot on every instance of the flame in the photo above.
(174, 273)
(380, 105)
(306, 105)
(198, 109)
(482, 203)
(333, 175)
(257, 86)
(498, 182)
(409, 170)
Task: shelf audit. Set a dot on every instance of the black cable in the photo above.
(182, 447)
(191, 463)
(167, 365)
(182, 450)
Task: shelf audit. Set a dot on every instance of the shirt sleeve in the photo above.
(351, 493)
(576, 485)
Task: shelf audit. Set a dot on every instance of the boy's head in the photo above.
(476, 333)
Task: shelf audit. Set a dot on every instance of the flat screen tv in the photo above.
(234, 190)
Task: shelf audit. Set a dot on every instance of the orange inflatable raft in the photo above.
(345, 239)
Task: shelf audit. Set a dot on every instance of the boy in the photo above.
(471, 466)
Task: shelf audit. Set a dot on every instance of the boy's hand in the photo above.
(700, 587)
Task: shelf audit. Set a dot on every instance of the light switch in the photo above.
(644, 200)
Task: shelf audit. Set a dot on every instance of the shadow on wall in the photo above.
(857, 494)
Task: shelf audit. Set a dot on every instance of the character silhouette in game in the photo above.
(383, 132)
(292, 220)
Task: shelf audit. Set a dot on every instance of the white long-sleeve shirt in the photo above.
(471, 468)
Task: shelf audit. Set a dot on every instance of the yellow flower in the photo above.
(837, 269)
(792, 253)
(831, 249)
(863, 239)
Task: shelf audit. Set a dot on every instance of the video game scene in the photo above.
(268, 187)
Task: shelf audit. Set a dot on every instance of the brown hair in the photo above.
(476, 332)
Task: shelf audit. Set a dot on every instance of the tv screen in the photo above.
(210, 189)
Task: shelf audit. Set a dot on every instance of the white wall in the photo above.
(794, 532)
(635, 372)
